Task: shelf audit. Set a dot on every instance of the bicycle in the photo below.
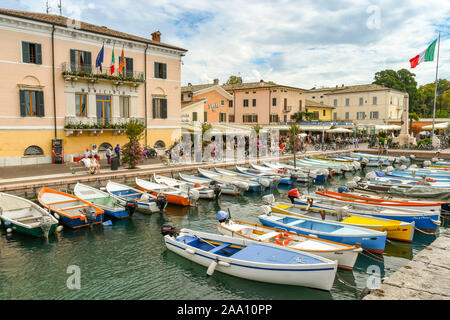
(150, 153)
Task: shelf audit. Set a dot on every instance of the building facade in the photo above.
(361, 104)
(320, 111)
(52, 87)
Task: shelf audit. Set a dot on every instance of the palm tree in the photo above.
(294, 131)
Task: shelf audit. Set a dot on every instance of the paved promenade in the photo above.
(426, 277)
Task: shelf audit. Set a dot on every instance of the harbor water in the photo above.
(128, 259)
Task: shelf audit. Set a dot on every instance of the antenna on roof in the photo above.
(60, 7)
(47, 8)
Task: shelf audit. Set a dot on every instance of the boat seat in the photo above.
(222, 246)
(267, 236)
(28, 219)
(295, 222)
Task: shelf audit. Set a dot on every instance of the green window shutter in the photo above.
(156, 69)
(40, 102)
(129, 66)
(205, 116)
(38, 53)
(154, 108)
(23, 106)
(194, 116)
(72, 60)
(88, 62)
(164, 76)
(164, 108)
(25, 52)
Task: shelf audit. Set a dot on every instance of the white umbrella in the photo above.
(441, 125)
(340, 130)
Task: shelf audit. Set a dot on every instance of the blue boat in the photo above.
(370, 240)
(417, 176)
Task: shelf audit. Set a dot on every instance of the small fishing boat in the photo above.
(367, 162)
(396, 230)
(424, 219)
(352, 163)
(226, 188)
(371, 240)
(116, 208)
(384, 179)
(391, 159)
(70, 210)
(273, 178)
(239, 182)
(345, 254)
(314, 173)
(346, 167)
(285, 177)
(24, 216)
(265, 182)
(173, 195)
(411, 175)
(205, 192)
(316, 165)
(252, 261)
(147, 203)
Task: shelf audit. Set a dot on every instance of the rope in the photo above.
(372, 256)
(429, 233)
(405, 245)
(345, 282)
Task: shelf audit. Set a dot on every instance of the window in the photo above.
(104, 146)
(230, 103)
(391, 99)
(324, 113)
(205, 116)
(321, 102)
(160, 70)
(360, 115)
(285, 102)
(80, 61)
(274, 118)
(124, 105)
(159, 108)
(334, 115)
(274, 102)
(335, 102)
(31, 52)
(347, 101)
(361, 101)
(128, 67)
(254, 102)
(222, 102)
(222, 117)
(103, 109)
(374, 115)
(31, 103)
(347, 115)
(245, 102)
(300, 105)
(316, 115)
(159, 144)
(80, 105)
(194, 116)
(231, 118)
(374, 100)
(33, 151)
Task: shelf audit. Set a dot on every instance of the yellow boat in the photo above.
(396, 230)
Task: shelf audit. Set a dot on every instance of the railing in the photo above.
(87, 123)
(89, 71)
(287, 108)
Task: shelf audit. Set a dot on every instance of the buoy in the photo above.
(189, 250)
(9, 230)
(211, 268)
(59, 228)
(224, 264)
(56, 216)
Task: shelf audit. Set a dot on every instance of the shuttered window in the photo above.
(159, 108)
(160, 70)
(124, 104)
(128, 72)
(31, 103)
(31, 52)
(80, 61)
(80, 105)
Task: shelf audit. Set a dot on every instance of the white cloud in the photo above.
(299, 43)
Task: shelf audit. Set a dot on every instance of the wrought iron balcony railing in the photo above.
(90, 72)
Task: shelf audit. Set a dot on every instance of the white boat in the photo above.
(205, 192)
(226, 188)
(173, 195)
(25, 216)
(298, 175)
(345, 254)
(263, 182)
(253, 261)
(273, 179)
(147, 203)
(220, 178)
(314, 166)
(315, 173)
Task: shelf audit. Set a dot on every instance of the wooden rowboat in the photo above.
(173, 195)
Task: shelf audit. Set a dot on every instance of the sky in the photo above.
(300, 43)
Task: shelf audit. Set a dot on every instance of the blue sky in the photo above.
(302, 43)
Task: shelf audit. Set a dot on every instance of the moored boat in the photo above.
(173, 195)
(237, 181)
(226, 188)
(204, 192)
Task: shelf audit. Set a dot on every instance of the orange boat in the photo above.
(174, 195)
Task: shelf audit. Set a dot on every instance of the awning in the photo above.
(340, 130)
(387, 127)
(441, 125)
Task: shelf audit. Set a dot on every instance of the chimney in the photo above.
(156, 36)
(342, 85)
(261, 83)
(216, 82)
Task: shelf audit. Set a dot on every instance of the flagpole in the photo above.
(435, 88)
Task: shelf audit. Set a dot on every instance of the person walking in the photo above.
(117, 151)
(108, 155)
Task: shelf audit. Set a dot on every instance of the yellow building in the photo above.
(321, 111)
(52, 88)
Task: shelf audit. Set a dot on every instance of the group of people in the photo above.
(91, 159)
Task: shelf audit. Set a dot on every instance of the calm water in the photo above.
(128, 260)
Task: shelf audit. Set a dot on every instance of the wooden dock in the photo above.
(426, 277)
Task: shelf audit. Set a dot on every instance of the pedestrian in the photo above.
(438, 152)
(94, 165)
(94, 151)
(108, 155)
(87, 153)
(117, 150)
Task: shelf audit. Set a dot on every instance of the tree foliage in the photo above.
(234, 80)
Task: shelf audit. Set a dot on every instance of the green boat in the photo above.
(24, 216)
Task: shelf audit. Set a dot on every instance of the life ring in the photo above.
(197, 185)
(285, 241)
(429, 179)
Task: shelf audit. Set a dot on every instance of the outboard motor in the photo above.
(130, 207)
(412, 157)
(292, 194)
(170, 230)
(351, 184)
(161, 202)
(193, 195)
(91, 215)
(342, 189)
(222, 216)
(294, 176)
(217, 191)
(268, 199)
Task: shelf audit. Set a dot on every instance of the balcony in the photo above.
(287, 108)
(89, 73)
(96, 126)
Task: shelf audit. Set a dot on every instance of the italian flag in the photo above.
(113, 61)
(426, 55)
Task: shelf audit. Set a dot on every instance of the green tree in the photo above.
(412, 116)
(234, 80)
(132, 152)
(402, 80)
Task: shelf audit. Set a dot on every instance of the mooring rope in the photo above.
(429, 233)
(345, 282)
(372, 256)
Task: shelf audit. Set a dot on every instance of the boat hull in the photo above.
(34, 232)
